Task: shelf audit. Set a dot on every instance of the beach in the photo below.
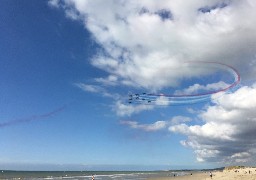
(238, 174)
(227, 174)
(194, 176)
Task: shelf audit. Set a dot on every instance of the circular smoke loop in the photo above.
(180, 99)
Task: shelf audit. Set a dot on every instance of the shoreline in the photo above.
(229, 173)
(194, 176)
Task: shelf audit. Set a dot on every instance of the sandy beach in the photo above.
(237, 174)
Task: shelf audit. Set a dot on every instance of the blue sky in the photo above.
(67, 67)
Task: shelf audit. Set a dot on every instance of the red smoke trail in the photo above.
(232, 69)
(33, 118)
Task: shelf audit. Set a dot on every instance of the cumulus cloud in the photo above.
(144, 42)
(228, 132)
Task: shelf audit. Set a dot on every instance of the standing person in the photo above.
(211, 175)
(93, 177)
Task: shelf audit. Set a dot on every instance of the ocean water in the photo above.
(87, 175)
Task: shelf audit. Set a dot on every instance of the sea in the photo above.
(87, 175)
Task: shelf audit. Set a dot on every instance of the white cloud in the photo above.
(110, 80)
(241, 155)
(159, 125)
(145, 50)
(162, 101)
(141, 49)
(180, 119)
(194, 89)
(89, 87)
(228, 133)
(191, 110)
(97, 89)
(239, 100)
(123, 109)
(207, 130)
(54, 3)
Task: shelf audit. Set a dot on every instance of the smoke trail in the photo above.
(33, 118)
(179, 99)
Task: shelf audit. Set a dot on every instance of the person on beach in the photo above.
(211, 175)
(93, 177)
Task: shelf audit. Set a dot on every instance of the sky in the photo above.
(69, 67)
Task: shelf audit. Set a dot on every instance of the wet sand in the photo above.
(195, 176)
